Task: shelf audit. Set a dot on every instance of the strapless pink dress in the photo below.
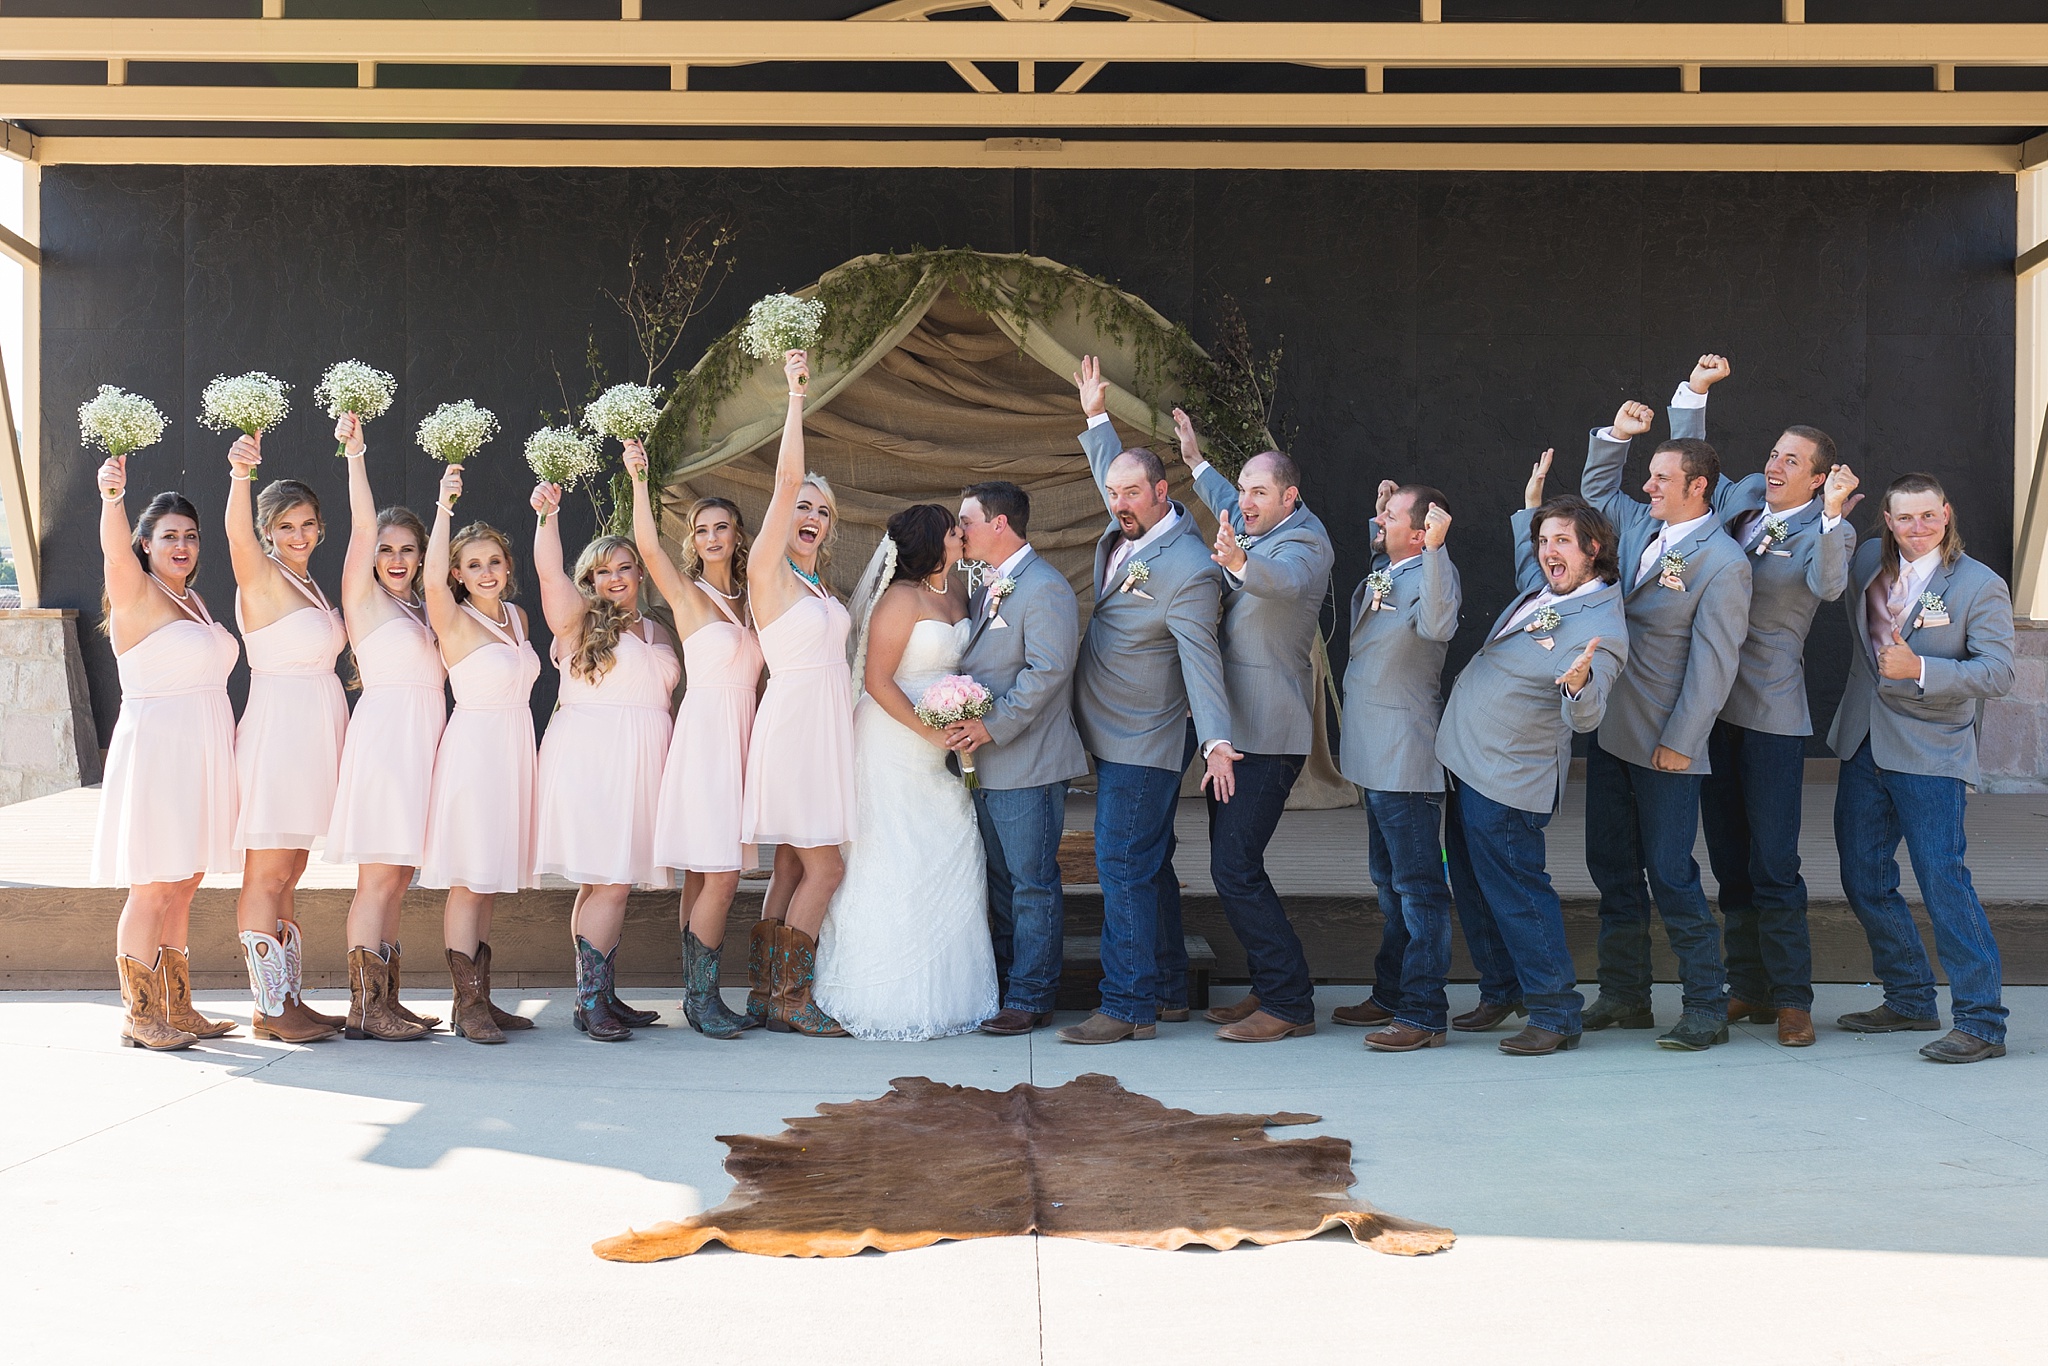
(288, 747)
(697, 820)
(799, 786)
(480, 813)
(387, 766)
(600, 767)
(167, 804)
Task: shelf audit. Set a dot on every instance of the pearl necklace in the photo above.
(185, 596)
(941, 576)
(729, 597)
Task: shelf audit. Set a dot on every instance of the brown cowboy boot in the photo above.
(144, 993)
(276, 1017)
(796, 967)
(1231, 1014)
(503, 1019)
(369, 1001)
(760, 953)
(177, 968)
(471, 1018)
(390, 952)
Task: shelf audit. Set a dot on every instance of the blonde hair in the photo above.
(604, 621)
(482, 531)
(280, 496)
(692, 564)
(824, 487)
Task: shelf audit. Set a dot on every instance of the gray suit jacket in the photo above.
(1150, 655)
(1932, 732)
(1683, 645)
(1028, 664)
(1788, 581)
(1507, 730)
(1393, 684)
(1270, 619)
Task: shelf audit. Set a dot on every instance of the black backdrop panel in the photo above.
(1439, 326)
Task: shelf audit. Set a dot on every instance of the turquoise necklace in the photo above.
(811, 579)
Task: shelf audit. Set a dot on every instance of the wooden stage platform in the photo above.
(56, 932)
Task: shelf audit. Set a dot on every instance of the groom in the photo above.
(1149, 661)
(1022, 648)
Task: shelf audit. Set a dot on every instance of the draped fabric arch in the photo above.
(947, 395)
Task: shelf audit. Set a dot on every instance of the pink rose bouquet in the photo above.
(951, 700)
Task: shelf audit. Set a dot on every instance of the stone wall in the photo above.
(47, 739)
(2013, 745)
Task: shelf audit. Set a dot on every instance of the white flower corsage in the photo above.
(1136, 575)
(1933, 611)
(1000, 589)
(1382, 585)
(1775, 533)
(1546, 619)
(1244, 542)
(1671, 571)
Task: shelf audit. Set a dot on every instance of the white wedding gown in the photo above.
(905, 951)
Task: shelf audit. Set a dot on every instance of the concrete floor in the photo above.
(435, 1202)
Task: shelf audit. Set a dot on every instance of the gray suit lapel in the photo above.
(982, 621)
(1937, 585)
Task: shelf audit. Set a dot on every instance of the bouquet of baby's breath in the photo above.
(349, 386)
(119, 422)
(782, 323)
(624, 412)
(251, 404)
(563, 456)
(454, 432)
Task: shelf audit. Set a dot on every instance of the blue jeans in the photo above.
(1750, 806)
(1641, 821)
(1403, 832)
(1497, 863)
(1874, 809)
(1239, 831)
(1144, 954)
(1020, 839)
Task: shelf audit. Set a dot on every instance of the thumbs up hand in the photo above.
(1897, 660)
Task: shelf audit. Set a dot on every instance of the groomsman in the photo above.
(1546, 672)
(1276, 559)
(1403, 616)
(1148, 661)
(1934, 636)
(1023, 647)
(1686, 591)
(1788, 518)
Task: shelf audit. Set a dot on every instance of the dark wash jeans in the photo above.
(1404, 833)
(1239, 831)
(1509, 909)
(1640, 821)
(1750, 806)
(1020, 837)
(1874, 810)
(1144, 952)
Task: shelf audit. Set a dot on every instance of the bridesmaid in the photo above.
(387, 764)
(480, 811)
(600, 765)
(697, 820)
(288, 746)
(799, 784)
(167, 806)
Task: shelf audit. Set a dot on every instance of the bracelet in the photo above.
(113, 497)
(798, 393)
(248, 478)
(358, 455)
(445, 508)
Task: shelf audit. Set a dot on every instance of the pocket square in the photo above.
(1546, 642)
(998, 624)
(1782, 554)
(1931, 619)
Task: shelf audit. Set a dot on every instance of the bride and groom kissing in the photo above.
(947, 889)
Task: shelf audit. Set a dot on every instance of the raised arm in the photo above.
(1688, 409)
(770, 584)
(359, 565)
(126, 579)
(1528, 574)
(1218, 493)
(1098, 439)
(668, 580)
(245, 547)
(1436, 609)
(1606, 454)
(1827, 559)
(442, 609)
(560, 604)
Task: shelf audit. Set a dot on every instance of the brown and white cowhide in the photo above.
(928, 1162)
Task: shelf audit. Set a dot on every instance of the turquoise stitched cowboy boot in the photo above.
(702, 1006)
(593, 1014)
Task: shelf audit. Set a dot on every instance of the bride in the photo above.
(905, 952)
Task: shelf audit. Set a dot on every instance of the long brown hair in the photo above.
(405, 517)
(167, 504)
(1591, 527)
(692, 565)
(483, 531)
(604, 621)
(1951, 537)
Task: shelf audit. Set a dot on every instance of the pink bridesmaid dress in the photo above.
(600, 766)
(480, 813)
(799, 786)
(697, 820)
(167, 805)
(387, 766)
(288, 747)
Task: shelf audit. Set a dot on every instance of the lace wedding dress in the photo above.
(905, 952)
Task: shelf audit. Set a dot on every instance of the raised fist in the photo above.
(113, 477)
(1632, 419)
(1436, 524)
(796, 367)
(1711, 370)
(635, 458)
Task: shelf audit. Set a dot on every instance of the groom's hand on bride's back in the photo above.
(969, 735)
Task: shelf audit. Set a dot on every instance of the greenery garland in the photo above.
(868, 298)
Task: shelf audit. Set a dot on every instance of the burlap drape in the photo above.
(948, 396)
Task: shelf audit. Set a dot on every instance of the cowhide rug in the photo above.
(1089, 1159)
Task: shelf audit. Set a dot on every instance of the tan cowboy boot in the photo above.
(145, 993)
(369, 1001)
(796, 967)
(177, 968)
(760, 953)
(471, 1018)
(398, 1007)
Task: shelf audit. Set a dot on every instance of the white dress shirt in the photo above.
(1001, 572)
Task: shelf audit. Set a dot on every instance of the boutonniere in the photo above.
(1244, 542)
(997, 591)
(1775, 533)
(1547, 619)
(1382, 585)
(1672, 571)
(1136, 575)
(1933, 611)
